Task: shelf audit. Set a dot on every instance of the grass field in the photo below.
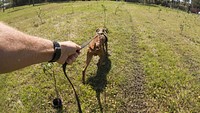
(154, 62)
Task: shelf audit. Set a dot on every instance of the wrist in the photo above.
(57, 52)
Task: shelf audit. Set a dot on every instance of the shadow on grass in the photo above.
(59, 110)
(99, 81)
(15, 9)
(141, 3)
(57, 102)
(18, 8)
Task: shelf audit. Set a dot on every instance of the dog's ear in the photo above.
(97, 30)
(105, 30)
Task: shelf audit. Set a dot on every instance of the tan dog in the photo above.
(98, 46)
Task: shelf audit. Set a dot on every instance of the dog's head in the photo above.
(102, 31)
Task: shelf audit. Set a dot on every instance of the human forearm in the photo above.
(18, 50)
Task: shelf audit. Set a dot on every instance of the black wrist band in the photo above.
(57, 52)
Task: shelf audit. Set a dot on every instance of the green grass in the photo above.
(154, 64)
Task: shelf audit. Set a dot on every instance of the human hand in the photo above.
(69, 52)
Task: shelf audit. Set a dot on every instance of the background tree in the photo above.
(196, 3)
(186, 1)
(14, 3)
(33, 2)
(145, 1)
(3, 5)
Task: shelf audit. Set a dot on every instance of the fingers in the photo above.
(72, 58)
(78, 47)
(69, 52)
(73, 46)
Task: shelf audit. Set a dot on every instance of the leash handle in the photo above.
(77, 98)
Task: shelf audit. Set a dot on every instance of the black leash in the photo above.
(77, 98)
(57, 101)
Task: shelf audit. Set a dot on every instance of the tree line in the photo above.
(4, 4)
(193, 2)
(25, 2)
(185, 5)
(168, 3)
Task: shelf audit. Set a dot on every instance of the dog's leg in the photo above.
(106, 47)
(106, 44)
(89, 58)
(101, 58)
